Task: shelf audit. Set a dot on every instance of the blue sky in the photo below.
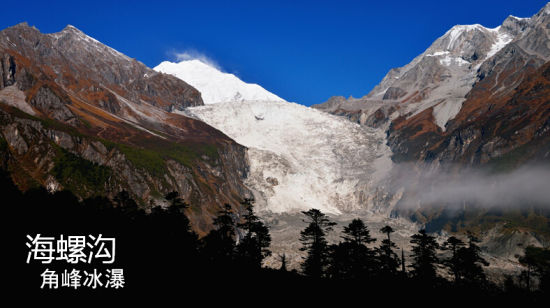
(303, 51)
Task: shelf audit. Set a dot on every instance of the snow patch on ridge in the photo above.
(502, 40)
(447, 61)
(438, 53)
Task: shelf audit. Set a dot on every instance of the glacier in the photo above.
(301, 158)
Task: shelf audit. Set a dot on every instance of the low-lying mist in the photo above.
(526, 186)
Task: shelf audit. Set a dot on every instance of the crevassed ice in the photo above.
(302, 158)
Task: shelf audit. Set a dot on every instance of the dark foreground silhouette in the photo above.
(162, 258)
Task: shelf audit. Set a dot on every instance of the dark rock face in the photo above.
(394, 93)
(273, 181)
(52, 105)
(7, 70)
(101, 123)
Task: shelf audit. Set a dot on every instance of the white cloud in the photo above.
(528, 185)
(192, 54)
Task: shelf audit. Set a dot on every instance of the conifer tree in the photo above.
(283, 263)
(177, 205)
(219, 244)
(357, 233)
(471, 262)
(352, 258)
(314, 241)
(424, 256)
(389, 261)
(454, 245)
(403, 268)
(254, 246)
(537, 261)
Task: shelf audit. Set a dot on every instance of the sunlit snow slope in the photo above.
(215, 86)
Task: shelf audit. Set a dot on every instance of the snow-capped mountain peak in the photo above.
(215, 85)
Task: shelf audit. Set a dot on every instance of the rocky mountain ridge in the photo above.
(460, 79)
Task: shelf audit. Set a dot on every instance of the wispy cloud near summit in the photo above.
(193, 54)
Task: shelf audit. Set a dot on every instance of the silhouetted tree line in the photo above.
(161, 254)
(461, 272)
